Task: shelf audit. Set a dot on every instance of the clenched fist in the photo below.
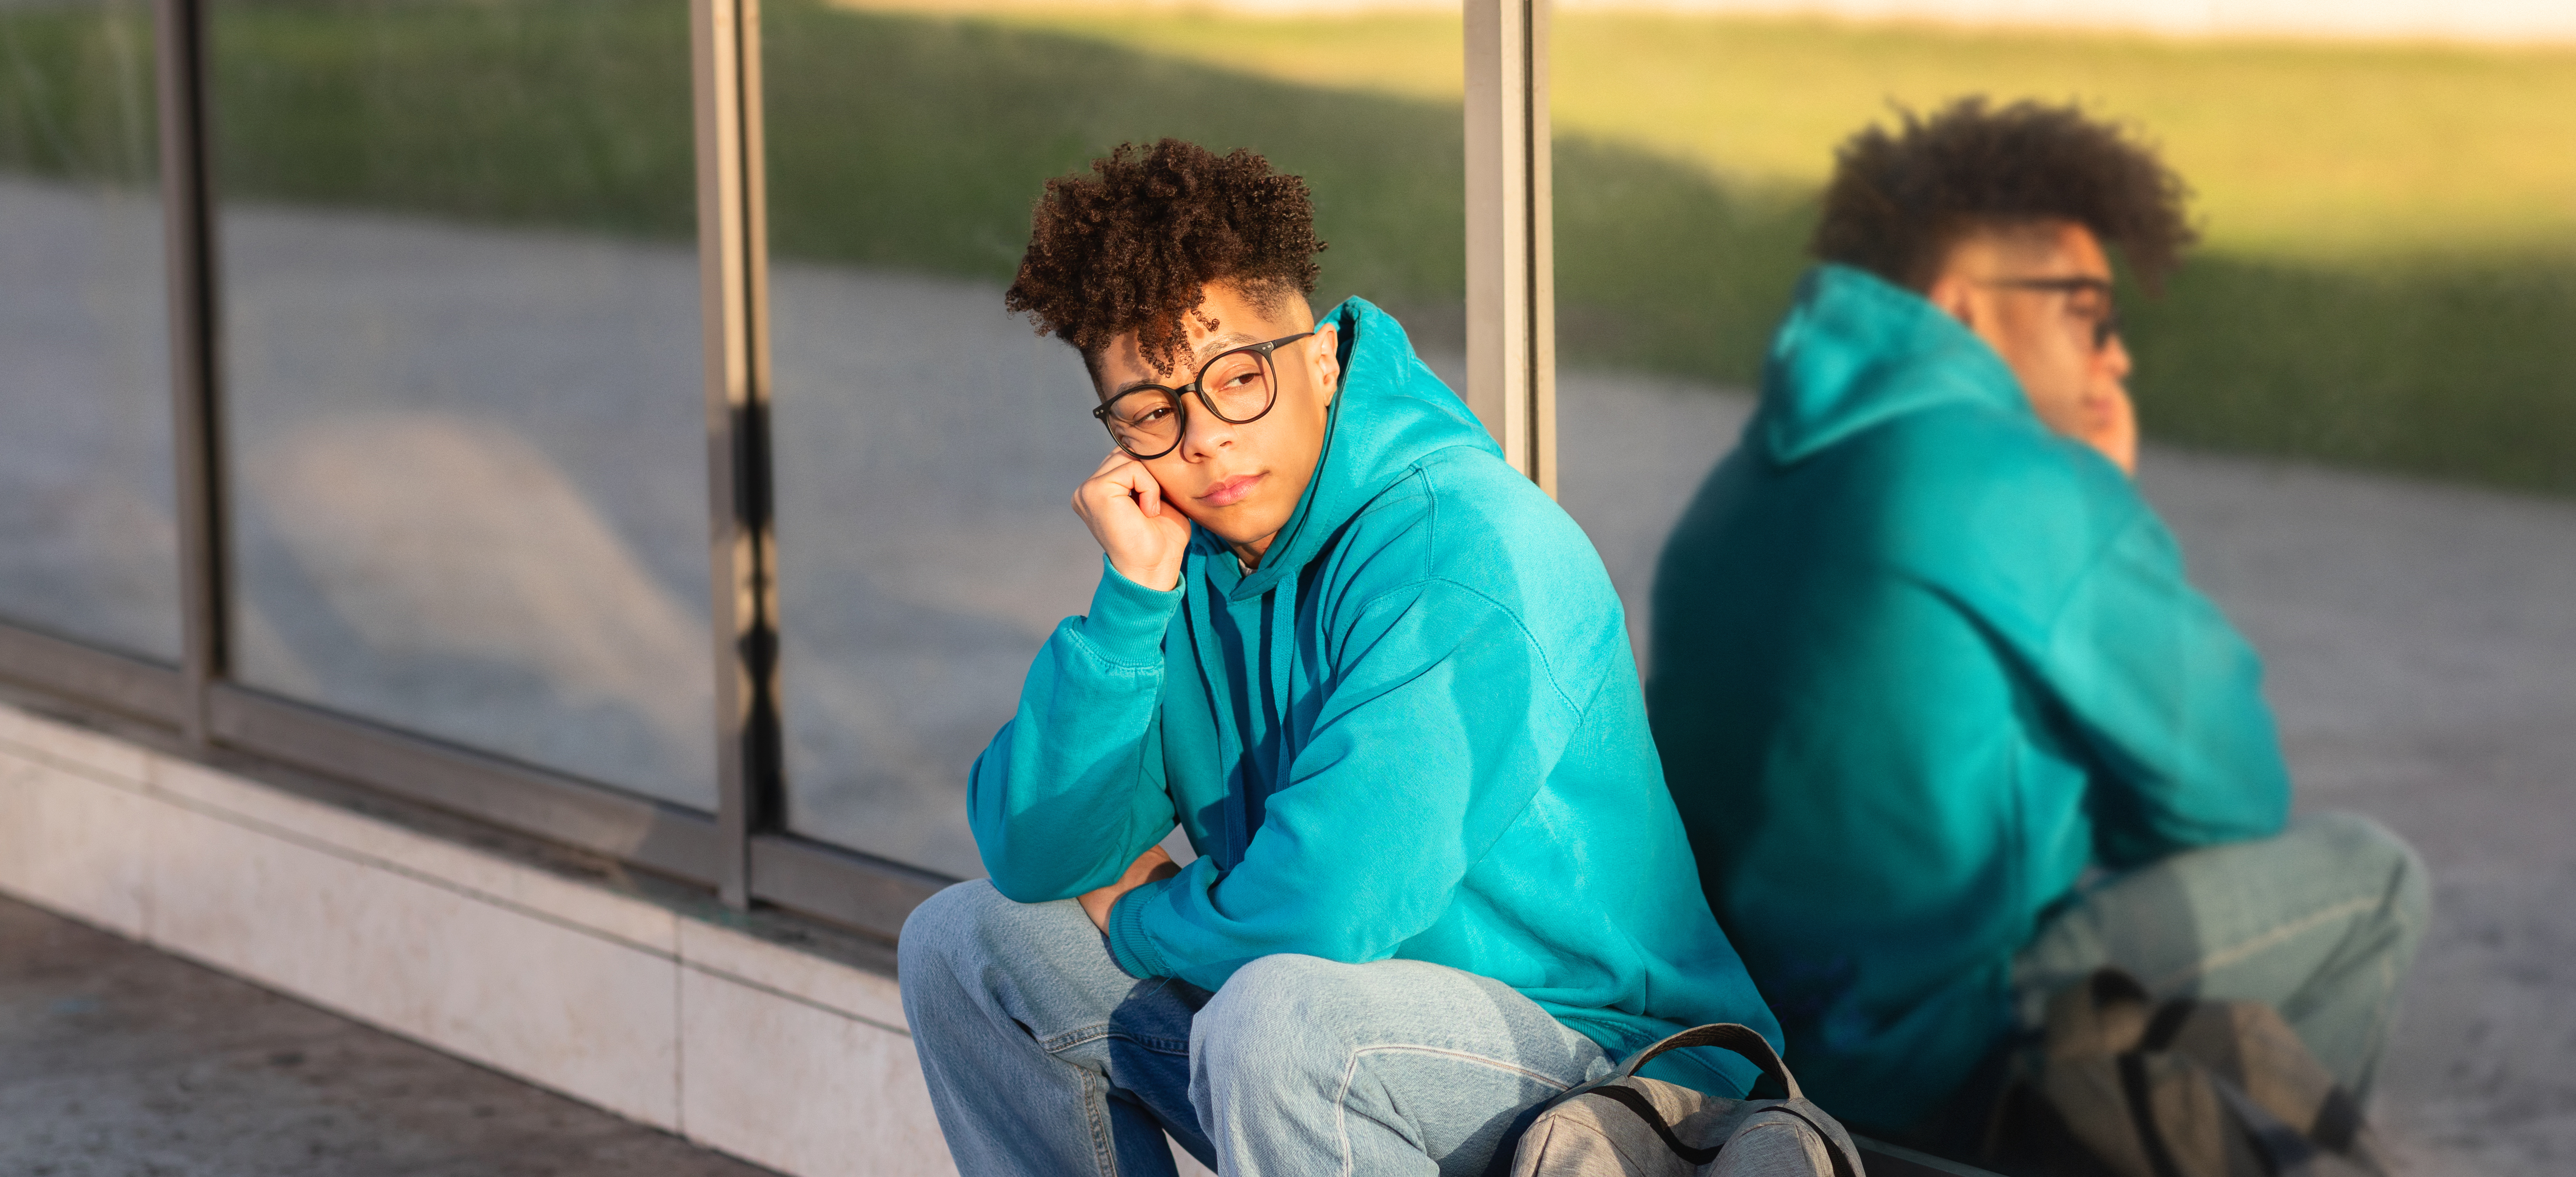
(1143, 536)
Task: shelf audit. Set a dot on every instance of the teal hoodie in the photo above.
(1918, 664)
(1414, 732)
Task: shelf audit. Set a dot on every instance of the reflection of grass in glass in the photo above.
(2391, 277)
(76, 93)
(2306, 150)
(569, 112)
(922, 142)
(2452, 367)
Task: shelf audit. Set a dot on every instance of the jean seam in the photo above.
(2264, 939)
(1095, 1109)
(2383, 1006)
(1075, 1037)
(1088, 1034)
(1350, 1071)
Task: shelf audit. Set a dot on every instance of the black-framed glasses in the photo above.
(1238, 386)
(2105, 317)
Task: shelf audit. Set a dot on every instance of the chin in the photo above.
(1240, 528)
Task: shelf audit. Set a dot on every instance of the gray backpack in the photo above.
(1624, 1126)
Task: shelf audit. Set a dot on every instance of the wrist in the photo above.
(1127, 621)
(1160, 576)
(1133, 951)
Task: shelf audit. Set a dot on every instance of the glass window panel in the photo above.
(926, 441)
(88, 541)
(464, 389)
(2358, 398)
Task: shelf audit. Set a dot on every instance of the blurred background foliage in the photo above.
(2389, 276)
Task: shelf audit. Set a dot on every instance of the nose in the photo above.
(2114, 358)
(1204, 434)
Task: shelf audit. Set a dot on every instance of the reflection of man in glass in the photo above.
(1380, 681)
(1924, 660)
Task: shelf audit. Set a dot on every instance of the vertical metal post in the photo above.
(1511, 270)
(196, 424)
(732, 266)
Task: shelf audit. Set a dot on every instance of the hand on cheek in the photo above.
(1143, 535)
(2111, 426)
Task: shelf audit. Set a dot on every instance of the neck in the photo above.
(1249, 553)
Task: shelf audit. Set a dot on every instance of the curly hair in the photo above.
(1129, 247)
(1898, 202)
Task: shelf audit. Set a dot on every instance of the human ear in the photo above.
(1328, 362)
(1956, 296)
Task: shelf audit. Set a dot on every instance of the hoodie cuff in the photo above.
(1136, 955)
(1127, 620)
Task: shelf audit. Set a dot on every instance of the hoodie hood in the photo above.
(1858, 351)
(1390, 413)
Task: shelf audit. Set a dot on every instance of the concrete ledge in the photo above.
(651, 1010)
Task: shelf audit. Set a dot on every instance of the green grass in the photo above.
(2323, 152)
(2390, 276)
(76, 97)
(561, 112)
(901, 140)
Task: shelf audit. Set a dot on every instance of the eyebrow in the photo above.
(1225, 342)
(2054, 281)
(1206, 350)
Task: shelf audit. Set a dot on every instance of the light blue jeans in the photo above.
(1044, 1059)
(2320, 921)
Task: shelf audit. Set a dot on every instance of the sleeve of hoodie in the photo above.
(2169, 699)
(1072, 789)
(1442, 722)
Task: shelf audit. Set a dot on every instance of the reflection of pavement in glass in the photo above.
(926, 445)
(478, 596)
(87, 548)
(549, 537)
(2420, 640)
(468, 489)
(1630, 453)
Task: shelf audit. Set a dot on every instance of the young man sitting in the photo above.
(1947, 724)
(1382, 683)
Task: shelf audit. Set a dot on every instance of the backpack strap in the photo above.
(2142, 1115)
(2167, 1024)
(1743, 1040)
(2338, 1124)
(1733, 1036)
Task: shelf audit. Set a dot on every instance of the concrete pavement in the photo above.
(120, 1061)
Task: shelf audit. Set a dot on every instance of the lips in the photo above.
(1230, 491)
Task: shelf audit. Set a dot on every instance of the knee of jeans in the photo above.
(2375, 852)
(1275, 1014)
(958, 916)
